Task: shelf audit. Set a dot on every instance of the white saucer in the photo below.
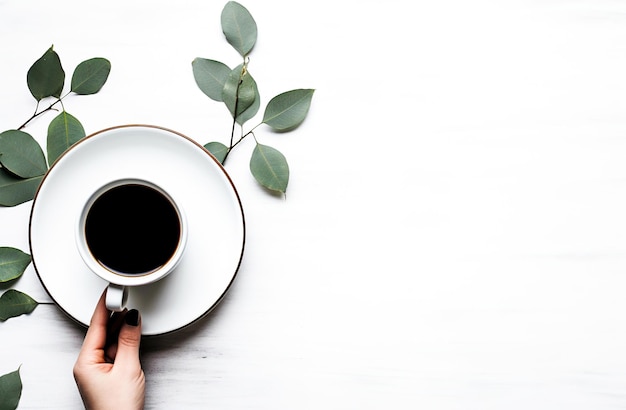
(180, 166)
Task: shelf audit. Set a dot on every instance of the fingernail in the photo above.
(132, 317)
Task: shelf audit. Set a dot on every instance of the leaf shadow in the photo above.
(272, 193)
(8, 284)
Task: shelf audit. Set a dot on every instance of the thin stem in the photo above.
(37, 114)
(244, 136)
(232, 144)
(232, 134)
(36, 107)
(232, 131)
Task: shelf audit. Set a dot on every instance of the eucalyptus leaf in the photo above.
(210, 76)
(13, 263)
(253, 109)
(63, 132)
(15, 190)
(239, 91)
(239, 27)
(218, 150)
(21, 154)
(10, 390)
(15, 303)
(288, 110)
(46, 77)
(90, 75)
(269, 167)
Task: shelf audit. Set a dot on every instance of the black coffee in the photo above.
(132, 229)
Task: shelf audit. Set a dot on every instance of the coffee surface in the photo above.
(132, 229)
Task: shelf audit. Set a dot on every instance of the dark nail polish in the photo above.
(132, 317)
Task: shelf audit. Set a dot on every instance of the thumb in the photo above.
(128, 342)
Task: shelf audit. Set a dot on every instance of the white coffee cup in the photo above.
(130, 232)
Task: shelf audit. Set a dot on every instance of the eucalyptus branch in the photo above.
(233, 145)
(37, 114)
(251, 132)
(23, 162)
(240, 139)
(238, 90)
(232, 131)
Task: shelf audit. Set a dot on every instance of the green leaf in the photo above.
(46, 77)
(218, 150)
(15, 190)
(253, 109)
(288, 110)
(239, 27)
(13, 263)
(210, 76)
(63, 132)
(239, 91)
(15, 303)
(10, 390)
(90, 75)
(21, 154)
(269, 167)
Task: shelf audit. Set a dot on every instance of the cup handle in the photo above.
(116, 297)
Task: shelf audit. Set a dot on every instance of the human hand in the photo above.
(108, 372)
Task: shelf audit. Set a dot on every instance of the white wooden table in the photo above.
(454, 232)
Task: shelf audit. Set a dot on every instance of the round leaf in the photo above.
(288, 110)
(239, 27)
(210, 76)
(13, 263)
(10, 390)
(21, 154)
(269, 167)
(46, 77)
(218, 150)
(90, 75)
(15, 303)
(15, 190)
(63, 132)
(239, 91)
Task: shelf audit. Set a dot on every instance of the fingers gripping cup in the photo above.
(130, 233)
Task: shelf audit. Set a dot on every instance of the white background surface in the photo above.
(453, 234)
